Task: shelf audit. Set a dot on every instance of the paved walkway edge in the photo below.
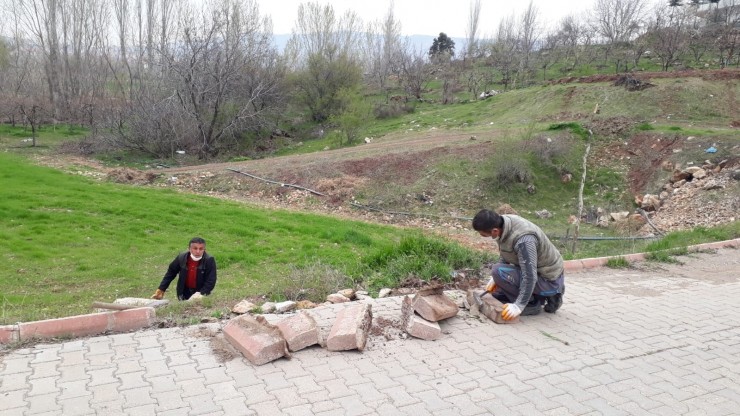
(133, 319)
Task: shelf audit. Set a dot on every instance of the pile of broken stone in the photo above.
(266, 337)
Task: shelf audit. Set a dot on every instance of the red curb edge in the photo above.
(8, 334)
(79, 325)
(583, 264)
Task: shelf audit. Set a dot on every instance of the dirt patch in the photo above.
(649, 152)
(386, 328)
(340, 189)
(220, 347)
(131, 176)
(403, 168)
(201, 332)
(223, 350)
(611, 126)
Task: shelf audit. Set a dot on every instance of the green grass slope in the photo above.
(69, 241)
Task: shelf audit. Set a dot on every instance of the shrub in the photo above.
(548, 150)
(508, 172)
(393, 109)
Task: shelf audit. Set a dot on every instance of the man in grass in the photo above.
(529, 274)
(197, 273)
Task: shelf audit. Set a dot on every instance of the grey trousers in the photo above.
(508, 279)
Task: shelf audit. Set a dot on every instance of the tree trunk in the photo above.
(580, 193)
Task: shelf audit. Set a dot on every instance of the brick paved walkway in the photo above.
(659, 339)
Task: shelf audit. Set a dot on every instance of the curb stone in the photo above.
(79, 325)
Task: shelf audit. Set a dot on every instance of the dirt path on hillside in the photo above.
(392, 144)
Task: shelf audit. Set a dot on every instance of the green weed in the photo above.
(667, 256)
(419, 257)
(576, 128)
(617, 263)
(698, 235)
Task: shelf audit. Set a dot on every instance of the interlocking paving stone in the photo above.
(595, 356)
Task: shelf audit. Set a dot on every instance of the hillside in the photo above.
(442, 163)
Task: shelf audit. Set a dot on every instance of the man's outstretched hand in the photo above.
(158, 295)
(510, 311)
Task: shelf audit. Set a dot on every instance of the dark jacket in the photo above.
(205, 279)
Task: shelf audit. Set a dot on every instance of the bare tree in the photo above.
(617, 22)
(318, 31)
(324, 52)
(16, 64)
(415, 73)
(725, 24)
(382, 50)
(529, 33)
(471, 31)
(573, 39)
(667, 35)
(40, 19)
(502, 50)
(223, 81)
(549, 53)
(700, 39)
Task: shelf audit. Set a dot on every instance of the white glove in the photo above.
(196, 296)
(510, 311)
(491, 286)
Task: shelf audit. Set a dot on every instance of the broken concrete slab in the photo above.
(243, 307)
(337, 298)
(415, 325)
(283, 307)
(350, 328)
(489, 306)
(131, 303)
(258, 340)
(433, 305)
(299, 330)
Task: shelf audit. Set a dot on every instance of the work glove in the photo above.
(159, 294)
(490, 286)
(510, 311)
(196, 296)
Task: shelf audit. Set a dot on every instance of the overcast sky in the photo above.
(429, 17)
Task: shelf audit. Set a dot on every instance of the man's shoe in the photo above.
(534, 307)
(553, 303)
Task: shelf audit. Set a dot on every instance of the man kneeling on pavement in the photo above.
(529, 274)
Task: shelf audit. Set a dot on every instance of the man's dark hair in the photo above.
(197, 240)
(486, 220)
